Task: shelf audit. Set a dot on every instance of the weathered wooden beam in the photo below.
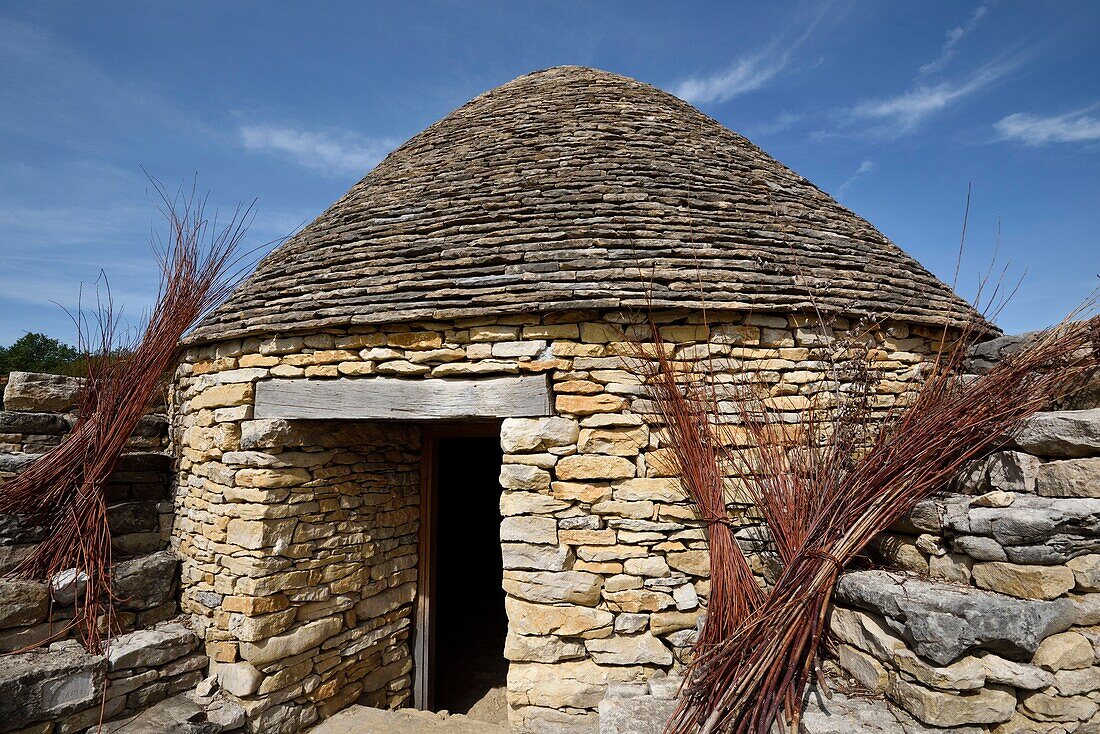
(392, 398)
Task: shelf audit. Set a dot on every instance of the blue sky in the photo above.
(892, 107)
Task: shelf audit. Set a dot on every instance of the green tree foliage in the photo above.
(38, 353)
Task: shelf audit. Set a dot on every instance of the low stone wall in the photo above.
(64, 690)
(39, 412)
(997, 625)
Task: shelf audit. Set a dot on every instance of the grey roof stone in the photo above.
(576, 188)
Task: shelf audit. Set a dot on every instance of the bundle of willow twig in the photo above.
(65, 489)
(826, 489)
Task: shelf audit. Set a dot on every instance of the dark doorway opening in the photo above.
(466, 671)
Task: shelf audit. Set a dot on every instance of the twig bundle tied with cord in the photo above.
(65, 489)
(826, 487)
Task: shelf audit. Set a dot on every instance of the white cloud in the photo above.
(333, 151)
(902, 113)
(866, 168)
(954, 37)
(1034, 130)
(744, 75)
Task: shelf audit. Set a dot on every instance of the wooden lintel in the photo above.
(393, 398)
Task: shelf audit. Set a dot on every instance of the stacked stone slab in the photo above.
(298, 538)
(39, 412)
(65, 690)
(61, 689)
(997, 626)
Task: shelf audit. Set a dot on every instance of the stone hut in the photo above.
(412, 463)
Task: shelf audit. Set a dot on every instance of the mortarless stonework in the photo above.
(299, 538)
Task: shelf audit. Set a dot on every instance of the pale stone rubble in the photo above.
(298, 538)
(997, 624)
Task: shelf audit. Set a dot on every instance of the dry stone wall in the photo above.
(298, 539)
(59, 688)
(997, 624)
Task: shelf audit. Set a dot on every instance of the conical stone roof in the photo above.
(576, 188)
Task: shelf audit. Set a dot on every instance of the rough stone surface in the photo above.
(1062, 434)
(32, 391)
(943, 621)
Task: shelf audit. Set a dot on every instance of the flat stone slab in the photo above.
(1062, 434)
(847, 714)
(35, 686)
(364, 720)
(176, 715)
(944, 621)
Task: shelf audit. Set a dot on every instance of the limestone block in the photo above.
(536, 557)
(254, 628)
(865, 632)
(631, 623)
(1012, 471)
(580, 491)
(22, 602)
(256, 534)
(52, 685)
(32, 391)
(864, 668)
(145, 582)
(617, 441)
(483, 367)
(529, 529)
(530, 503)
(240, 679)
(1017, 675)
(939, 708)
(524, 477)
(954, 567)
(589, 404)
(291, 643)
(663, 623)
(1045, 707)
(1061, 434)
(1086, 572)
(223, 396)
(546, 587)
(271, 478)
(641, 715)
(643, 649)
(645, 489)
(685, 597)
(593, 466)
(151, 647)
(1087, 609)
(415, 340)
(1064, 651)
(573, 684)
(633, 601)
(521, 648)
(1069, 478)
(694, 562)
(943, 621)
(525, 618)
(654, 566)
(1025, 582)
(643, 510)
(521, 435)
(1077, 682)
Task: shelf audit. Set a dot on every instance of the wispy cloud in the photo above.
(954, 38)
(744, 75)
(331, 151)
(1035, 130)
(900, 114)
(755, 70)
(866, 168)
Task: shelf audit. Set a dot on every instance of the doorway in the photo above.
(461, 622)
